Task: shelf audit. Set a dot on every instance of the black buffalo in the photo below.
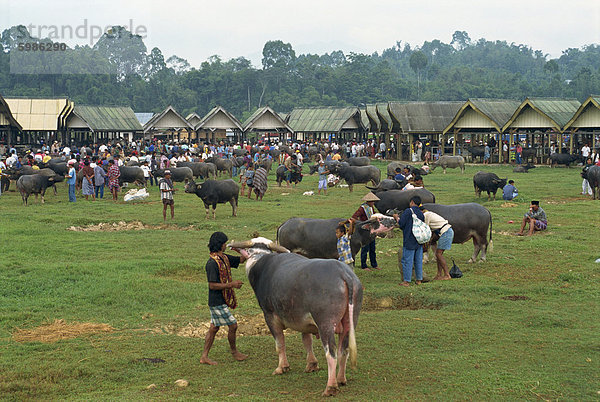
(388, 184)
(131, 174)
(488, 182)
(592, 175)
(359, 161)
(178, 174)
(223, 165)
(295, 177)
(476, 151)
(469, 221)
(213, 192)
(200, 169)
(391, 169)
(523, 168)
(564, 159)
(358, 174)
(399, 199)
(313, 296)
(315, 238)
(33, 184)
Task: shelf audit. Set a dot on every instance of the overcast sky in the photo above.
(195, 30)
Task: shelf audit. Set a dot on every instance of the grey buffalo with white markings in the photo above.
(312, 296)
(358, 174)
(452, 162)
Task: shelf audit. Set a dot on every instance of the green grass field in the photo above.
(523, 325)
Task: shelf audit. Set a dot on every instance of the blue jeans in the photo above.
(99, 189)
(518, 158)
(72, 193)
(410, 258)
(370, 249)
(234, 171)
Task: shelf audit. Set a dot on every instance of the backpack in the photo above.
(420, 229)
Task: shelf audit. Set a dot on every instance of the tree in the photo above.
(418, 61)
(460, 40)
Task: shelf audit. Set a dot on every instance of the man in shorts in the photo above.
(323, 172)
(166, 194)
(221, 296)
(536, 218)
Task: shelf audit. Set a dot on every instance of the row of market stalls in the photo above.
(448, 127)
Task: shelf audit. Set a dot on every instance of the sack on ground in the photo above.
(420, 229)
(455, 271)
(136, 195)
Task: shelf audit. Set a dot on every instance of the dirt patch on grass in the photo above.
(515, 297)
(407, 302)
(59, 329)
(247, 326)
(509, 205)
(122, 225)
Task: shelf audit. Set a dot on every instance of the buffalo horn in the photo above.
(277, 248)
(241, 244)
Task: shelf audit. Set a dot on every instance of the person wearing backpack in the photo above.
(412, 250)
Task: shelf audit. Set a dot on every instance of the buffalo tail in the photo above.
(490, 247)
(353, 351)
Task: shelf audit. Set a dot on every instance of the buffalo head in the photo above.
(256, 248)
(191, 186)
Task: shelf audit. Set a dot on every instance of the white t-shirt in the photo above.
(146, 170)
(585, 151)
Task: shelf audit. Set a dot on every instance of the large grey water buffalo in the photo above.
(388, 184)
(469, 221)
(15, 174)
(58, 165)
(200, 169)
(223, 165)
(476, 151)
(358, 174)
(315, 238)
(295, 178)
(329, 165)
(564, 159)
(359, 161)
(447, 161)
(313, 296)
(265, 163)
(488, 182)
(592, 175)
(399, 199)
(131, 174)
(33, 184)
(178, 174)
(213, 192)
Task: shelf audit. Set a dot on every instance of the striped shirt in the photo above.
(344, 250)
(165, 195)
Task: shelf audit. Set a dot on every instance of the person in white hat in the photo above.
(364, 213)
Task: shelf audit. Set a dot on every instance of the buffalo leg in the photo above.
(206, 206)
(476, 249)
(328, 338)
(343, 340)
(233, 206)
(311, 360)
(277, 331)
(213, 211)
(350, 187)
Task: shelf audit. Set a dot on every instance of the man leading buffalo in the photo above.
(364, 213)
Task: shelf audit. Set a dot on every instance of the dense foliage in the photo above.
(433, 71)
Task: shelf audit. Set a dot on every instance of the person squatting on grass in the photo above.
(221, 296)
(412, 251)
(535, 217)
(166, 194)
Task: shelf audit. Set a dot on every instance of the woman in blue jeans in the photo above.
(412, 251)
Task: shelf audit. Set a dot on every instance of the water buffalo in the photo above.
(213, 192)
(488, 182)
(391, 169)
(359, 161)
(528, 153)
(564, 159)
(315, 238)
(223, 165)
(33, 184)
(446, 161)
(523, 168)
(178, 174)
(477, 151)
(358, 174)
(239, 152)
(592, 175)
(15, 174)
(388, 184)
(329, 165)
(266, 163)
(4, 183)
(313, 296)
(200, 169)
(469, 221)
(399, 199)
(295, 178)
(132, 174)
(59, 166)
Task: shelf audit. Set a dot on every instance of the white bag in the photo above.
(420, 229)
(136, 195)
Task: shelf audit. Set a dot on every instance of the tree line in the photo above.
(119, 70)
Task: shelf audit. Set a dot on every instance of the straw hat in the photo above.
(370, 197)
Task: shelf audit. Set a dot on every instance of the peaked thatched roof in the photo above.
(153, 122)
(424, 117)
(497, 111)
(558, 110)
(591, 101)
(10, 119)
(375, 124)
(205, 122)
(323, 119)
(364, 119)
(385, 120)
(260, 112)
(40, 114)
(108, 118)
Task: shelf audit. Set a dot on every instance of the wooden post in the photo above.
(571, 141)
